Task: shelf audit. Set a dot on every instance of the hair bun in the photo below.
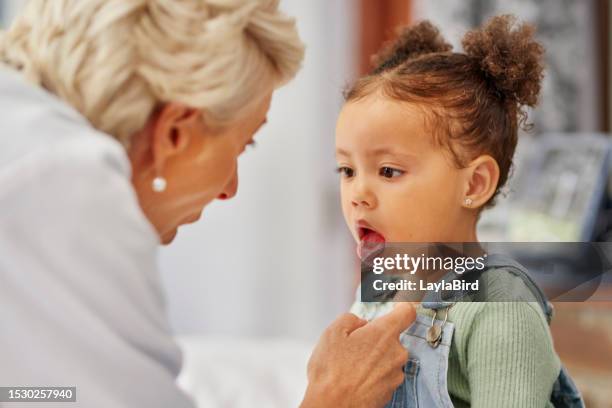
(509, 56)
(413, 41)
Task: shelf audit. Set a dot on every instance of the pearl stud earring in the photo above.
(468, 202)
(159, 184)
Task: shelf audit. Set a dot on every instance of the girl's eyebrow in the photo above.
(342, 152)
(381, 151)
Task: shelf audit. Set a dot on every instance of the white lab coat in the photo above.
(80, 296)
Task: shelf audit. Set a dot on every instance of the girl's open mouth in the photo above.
(371, 242)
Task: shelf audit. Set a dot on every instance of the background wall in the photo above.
(8, 8)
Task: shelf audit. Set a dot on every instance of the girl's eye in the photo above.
(390, 172)
(345, 171)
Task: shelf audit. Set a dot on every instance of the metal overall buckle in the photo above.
(434, 333)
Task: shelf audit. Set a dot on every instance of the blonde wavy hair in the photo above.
(115, 61)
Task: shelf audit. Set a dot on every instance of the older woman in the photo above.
(120, 121)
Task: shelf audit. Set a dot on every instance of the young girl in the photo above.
(424, 144)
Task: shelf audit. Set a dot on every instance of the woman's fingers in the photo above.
(359, 364)
(347, 323)
(399, 319)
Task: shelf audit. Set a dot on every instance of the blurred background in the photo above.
(270, 269)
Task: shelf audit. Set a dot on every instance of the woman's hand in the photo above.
(358, 364)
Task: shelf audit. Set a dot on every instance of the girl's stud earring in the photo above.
(468, 202)
(159, 184)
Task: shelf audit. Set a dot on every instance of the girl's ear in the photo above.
(483, 176)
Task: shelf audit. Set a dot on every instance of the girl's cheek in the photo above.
(399, 195)
(346, 206)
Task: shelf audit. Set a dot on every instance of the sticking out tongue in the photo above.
(371, 243)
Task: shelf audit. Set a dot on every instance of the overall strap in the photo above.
(439, 300)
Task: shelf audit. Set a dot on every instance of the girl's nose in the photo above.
(361, 203)
(365, 203)
(230, 188)
(363, 197)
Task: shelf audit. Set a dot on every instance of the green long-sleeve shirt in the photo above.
(502, 353)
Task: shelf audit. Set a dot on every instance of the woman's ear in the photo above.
(482, 179)
(175, 128)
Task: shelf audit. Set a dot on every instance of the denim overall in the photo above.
(425, 382)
